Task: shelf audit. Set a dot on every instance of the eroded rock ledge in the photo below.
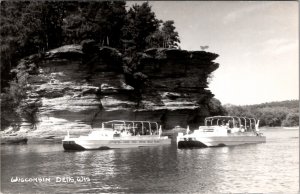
(79, 87)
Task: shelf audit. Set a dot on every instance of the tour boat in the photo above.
(222, 131)
(119, 134)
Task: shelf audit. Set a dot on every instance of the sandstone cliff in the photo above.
(78, 87)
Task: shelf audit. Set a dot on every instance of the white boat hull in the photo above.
(216, 141)
(222, 131)
(95, 144)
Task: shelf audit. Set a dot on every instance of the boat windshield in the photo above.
(132, 127)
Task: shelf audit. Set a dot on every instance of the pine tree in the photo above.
(171, 37)
(140, 23)
(165, 36)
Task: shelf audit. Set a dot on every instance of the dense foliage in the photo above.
(29, 27)
(13, 107)
(33, 27)
(285, 113)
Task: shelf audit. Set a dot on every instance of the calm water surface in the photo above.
(268, 167)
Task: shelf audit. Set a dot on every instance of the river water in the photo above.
(267, 167)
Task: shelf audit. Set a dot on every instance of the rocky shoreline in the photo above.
(77, 87)
(34, 138)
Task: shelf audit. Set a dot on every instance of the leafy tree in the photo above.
(270, 114)
(140, 22)
(156, 39)
(110, 20)
(52, 15)
(41, 22)
(165, 36)
(13, 108)
(100, 21)
(27, 27)
(78, 25)
(117, 22)
(10, 37)
(215, 107)
(292, 119)
(171, 37)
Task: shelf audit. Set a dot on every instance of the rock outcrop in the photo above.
(78, 87)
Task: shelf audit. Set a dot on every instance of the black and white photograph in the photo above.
(149, 96)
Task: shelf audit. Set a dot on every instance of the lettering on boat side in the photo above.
(30, 179)
(57, 179)
(133, 141)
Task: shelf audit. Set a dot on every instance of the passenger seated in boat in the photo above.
(230, 124)
(227, 125)
(126, 133)
(242, 129)
(132, 132)
(223, 123)
(144, 131)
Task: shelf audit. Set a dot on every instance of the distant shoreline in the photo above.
(265, 127)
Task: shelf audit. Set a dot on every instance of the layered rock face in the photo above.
(78, 89)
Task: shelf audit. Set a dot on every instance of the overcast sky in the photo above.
(258, 44)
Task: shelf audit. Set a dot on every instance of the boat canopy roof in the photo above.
(236, 121)
(133, 123)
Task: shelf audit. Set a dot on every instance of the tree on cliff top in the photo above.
(140, 22)
(165, 36)
(9, 40)
(29, 27)
(171, 36)
(100, 21)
